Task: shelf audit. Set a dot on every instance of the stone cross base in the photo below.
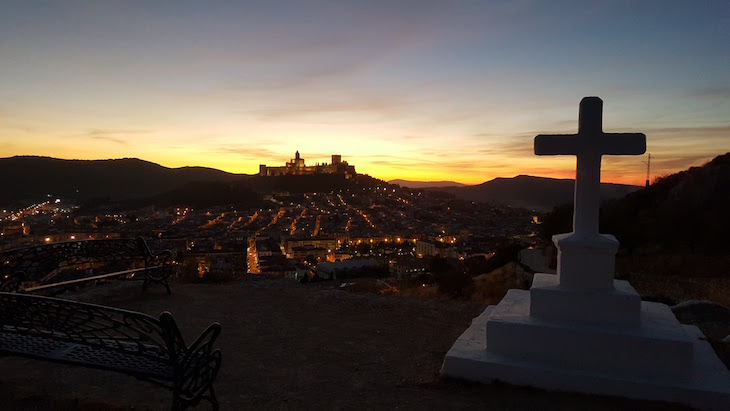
(551, 301)
(581, 330)
(655, 358)
(640, 350)
(584, 290)
(586, 262)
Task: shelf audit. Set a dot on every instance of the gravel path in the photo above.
(293, 346)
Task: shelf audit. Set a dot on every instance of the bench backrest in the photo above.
(38, 264)
(34, 326)
(88, 324)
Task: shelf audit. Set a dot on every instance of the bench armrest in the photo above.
(197, 365)
(151, 259)
(160, 258)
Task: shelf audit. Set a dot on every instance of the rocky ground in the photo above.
(293, 346)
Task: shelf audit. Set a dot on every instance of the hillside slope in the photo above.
(425, 184)
(673, 234)
(120, 179)
(135, 183)
(537, 193)
(686, 211)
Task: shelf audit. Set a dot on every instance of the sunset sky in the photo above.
(420, 90)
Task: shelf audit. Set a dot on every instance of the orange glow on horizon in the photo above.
(630, 171)
(232, 87)
(430, 161)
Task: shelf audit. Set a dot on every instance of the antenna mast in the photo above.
(648, 169)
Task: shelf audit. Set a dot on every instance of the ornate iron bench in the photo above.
(113, 339)
(64, 264)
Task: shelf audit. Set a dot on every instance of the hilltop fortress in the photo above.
(296, 166)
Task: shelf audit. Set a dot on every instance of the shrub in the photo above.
(452, 277)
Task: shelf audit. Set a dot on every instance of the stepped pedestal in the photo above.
(704, 383)
(581, 330)
(600, 341)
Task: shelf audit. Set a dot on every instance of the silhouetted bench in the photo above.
(65, 264)
(113, 339)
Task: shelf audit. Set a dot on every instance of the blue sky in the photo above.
(424, 90)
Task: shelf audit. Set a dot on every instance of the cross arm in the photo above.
(554, 144)
(623, 143)
(606, 143)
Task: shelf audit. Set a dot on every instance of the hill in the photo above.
(536, 193)
(83, 180)
(673, 234)
(132, 183)
(425, 184)
(682, 212)
(203, 194)
(311, 183)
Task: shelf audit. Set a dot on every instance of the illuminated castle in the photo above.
(297, 167)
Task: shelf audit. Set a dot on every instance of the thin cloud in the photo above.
(292, 64)
(273, 81)
(705, 131)
(466, 167)
(393, 164)
(114, 135)
(410, 137)
(402, 162)
(251, 152)
(711, 92)
(565, 124)
(111, 139)
(273, 158)
(508, 146)
(101, 131)
(383, 106)
(21, 127)
(446, 163)
(680, 163)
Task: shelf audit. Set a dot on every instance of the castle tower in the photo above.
(298, 161)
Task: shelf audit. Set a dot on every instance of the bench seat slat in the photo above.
(38, 347)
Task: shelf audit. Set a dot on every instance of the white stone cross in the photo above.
(588, 146)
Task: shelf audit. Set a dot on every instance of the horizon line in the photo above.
(254, 174)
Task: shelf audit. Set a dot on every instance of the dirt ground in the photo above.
(292, 346)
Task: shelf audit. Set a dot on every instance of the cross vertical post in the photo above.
(589, 145)
(585, 243)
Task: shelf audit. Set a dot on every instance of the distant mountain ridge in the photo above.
(535, 193)
(139, 182)
(131, 182)
(425, 184)
(31, 177)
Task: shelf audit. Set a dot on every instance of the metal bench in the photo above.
(60, 265)
(113, 339)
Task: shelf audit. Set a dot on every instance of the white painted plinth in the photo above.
(504, 343)
(586, 261)
(640, 350)
(618, 305)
